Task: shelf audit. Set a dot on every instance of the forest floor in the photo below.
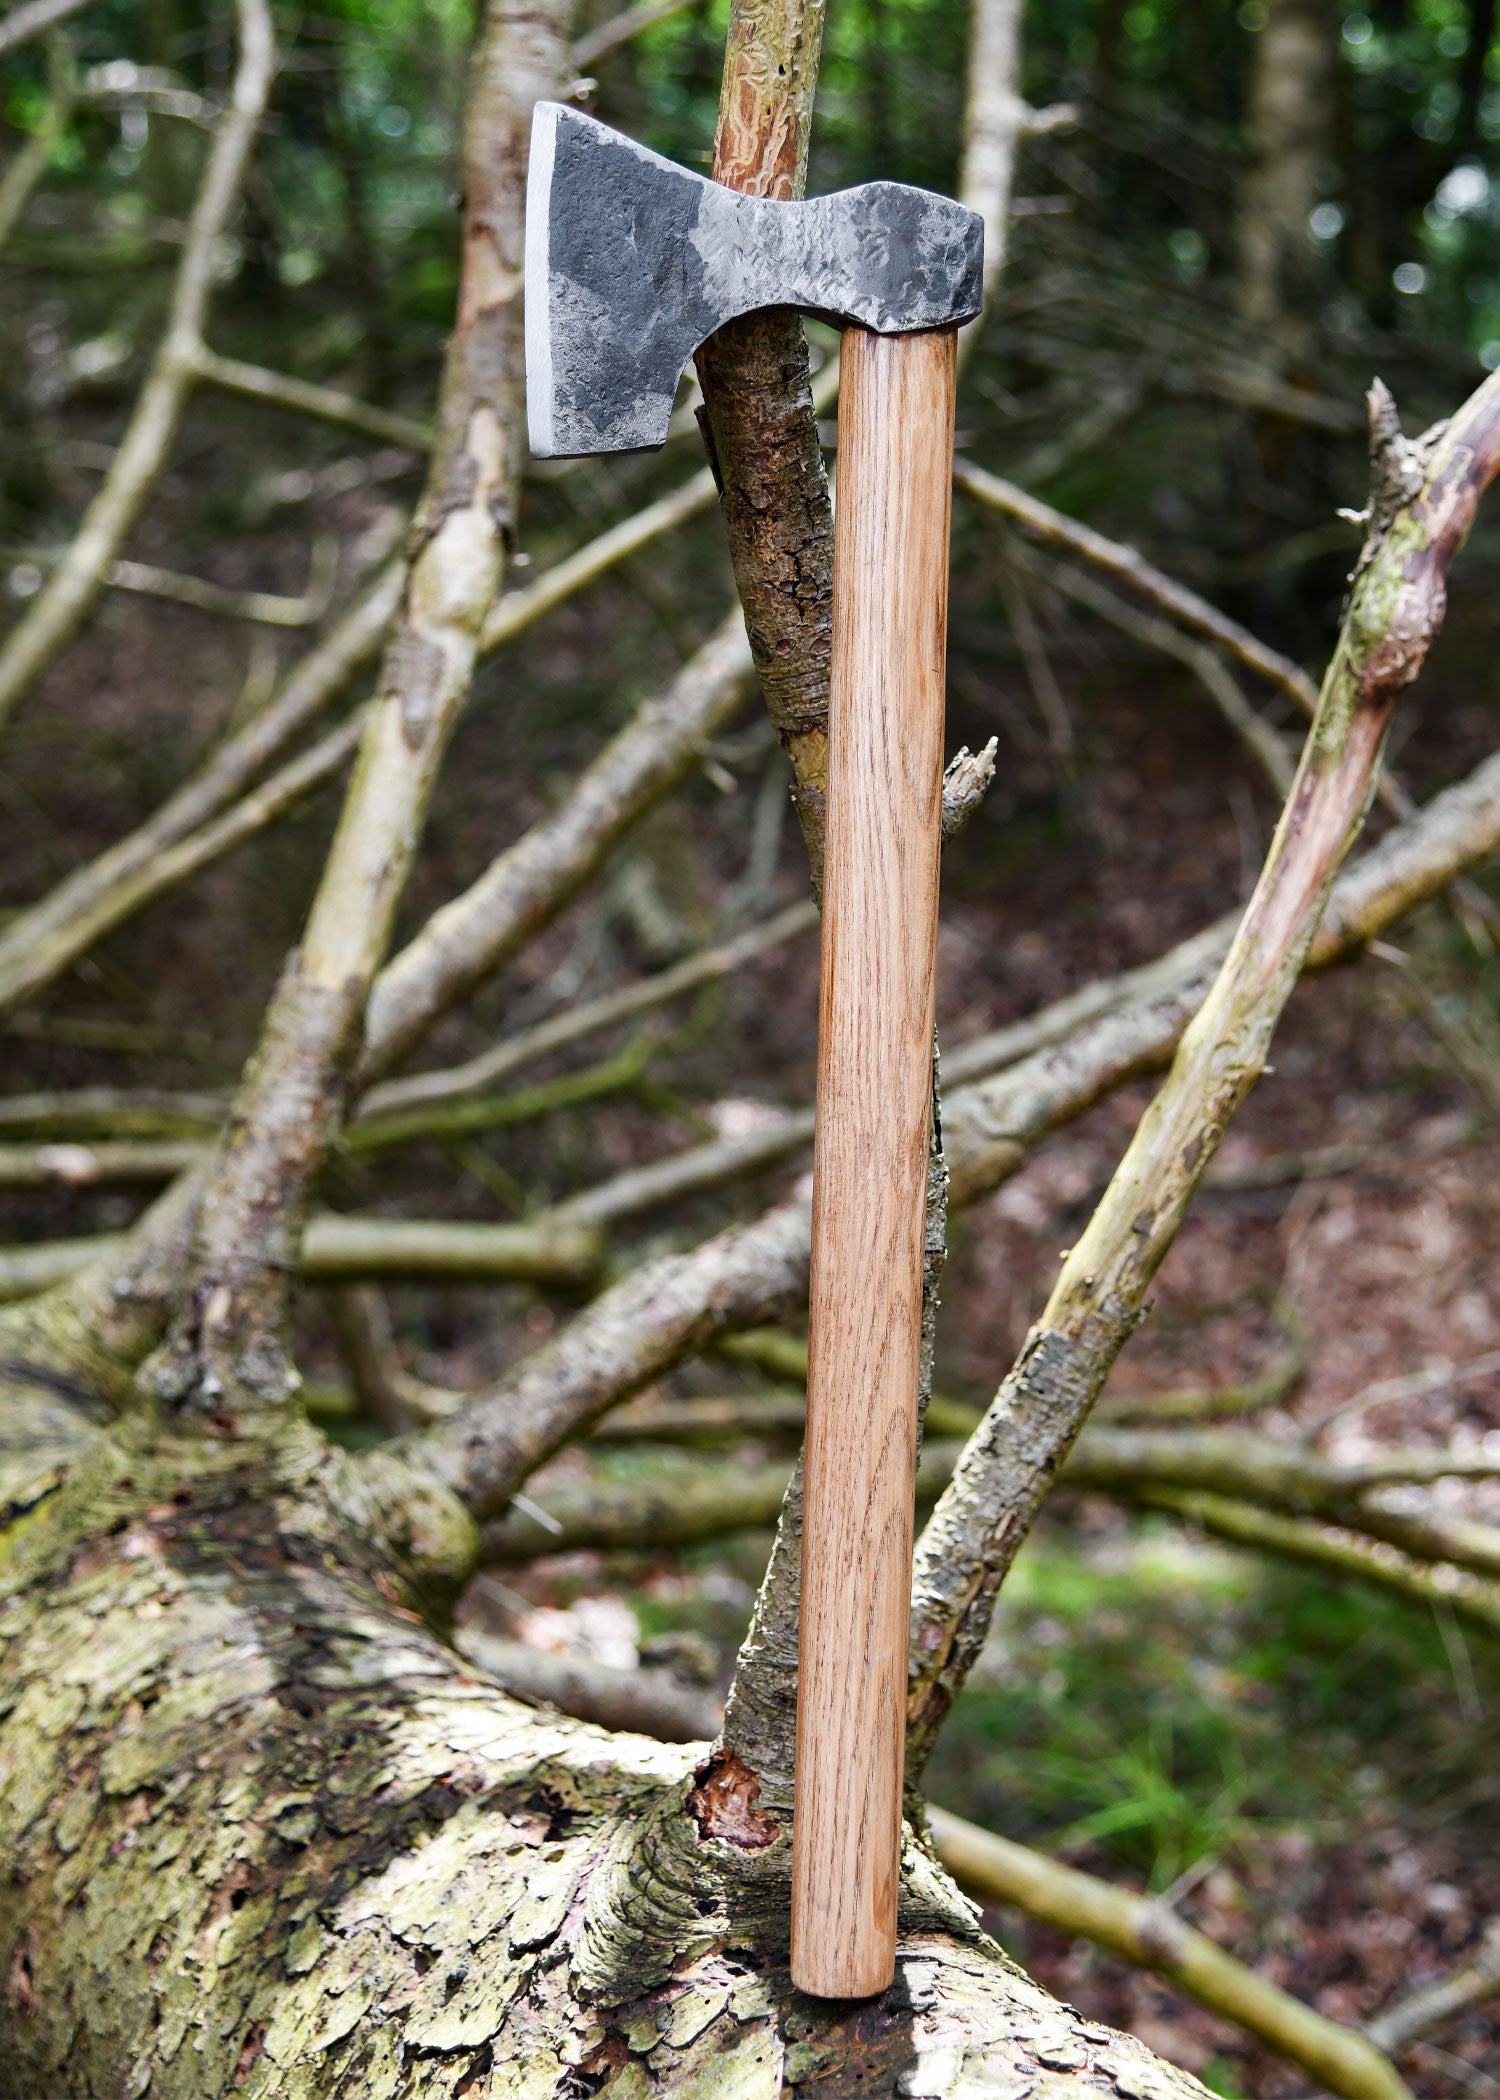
(1311, 1770)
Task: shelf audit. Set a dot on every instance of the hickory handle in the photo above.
(874, 1090)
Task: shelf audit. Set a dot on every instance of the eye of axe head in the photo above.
(632, 262)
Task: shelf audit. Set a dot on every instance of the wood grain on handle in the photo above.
(875, 1018)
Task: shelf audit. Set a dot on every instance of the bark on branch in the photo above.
(227, 1349)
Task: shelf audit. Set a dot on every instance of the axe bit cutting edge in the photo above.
(631, 263)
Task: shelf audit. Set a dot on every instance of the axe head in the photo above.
(632, 262)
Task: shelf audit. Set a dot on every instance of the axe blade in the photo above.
(632, 262)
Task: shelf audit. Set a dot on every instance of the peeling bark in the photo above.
(267, 1834)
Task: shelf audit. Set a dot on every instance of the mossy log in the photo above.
(266, 1833)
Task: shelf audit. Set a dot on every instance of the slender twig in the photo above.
(61, 607)
(1270, 749)
(227, 1350)
(1425, 497)
(1336, 1551)
(1269, 746)
(1156, 1468)
(82, 1113)
(1437, 2003)
(386, 1391)
(1146, 1931)
(22, 24)
(269, 608)
(532, 879)
(73, 1165)
(346, 1249)
(19, 182)
(520, 608)
(304, 397)
(461, 1082)
(1182, 606)
(622, 28)
(458, 1118)
(45, 938)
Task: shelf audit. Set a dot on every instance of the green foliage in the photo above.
(1162, 1702)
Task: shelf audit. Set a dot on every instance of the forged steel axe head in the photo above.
(632, 262)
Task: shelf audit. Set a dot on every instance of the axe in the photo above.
(631, 263)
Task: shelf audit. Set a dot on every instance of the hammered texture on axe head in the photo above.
(632, 262)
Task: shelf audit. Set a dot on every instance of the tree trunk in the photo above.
(267, 1833)
(1288, 123)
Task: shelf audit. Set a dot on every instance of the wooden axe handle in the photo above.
(875, 1020)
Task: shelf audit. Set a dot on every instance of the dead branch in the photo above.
(1180, 605)
(384, 1389)
(82, 1113)
(227, 1347)
(1151, 1468)
(73, 1165)
(1437, 2003)
(42, 940)
(622, 28)
(531, 881)
(520, 608)
(461, 1082)
(347, 1248)
(631, 1702)
(660, 1313)
(304, 398)
(1146, 1931)
(19, 183)
(440, 1119)
(699, 1168)
(1443, 1587)
(1425, 500)
(66, 600)
(269, 608)
(683, 1303)
(1268, 746)
(23, 24)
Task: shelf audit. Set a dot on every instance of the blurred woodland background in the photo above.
(1268, 1701)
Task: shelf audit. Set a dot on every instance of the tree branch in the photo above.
(630, 1702)
(343, 1247)
(1436, 2003)
(1144, 1930)
(758, 416)
(622, 28)
(460, 1082)
(1444, 1587)
(227, 1351)
(531, 881)
(23, 24)
(61, 607)
(42, 940)
(1182, 606)
(303, 397)
(30, 164)
(1425, 499)
(680, 1304)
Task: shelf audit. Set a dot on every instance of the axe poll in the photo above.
(631, 263)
